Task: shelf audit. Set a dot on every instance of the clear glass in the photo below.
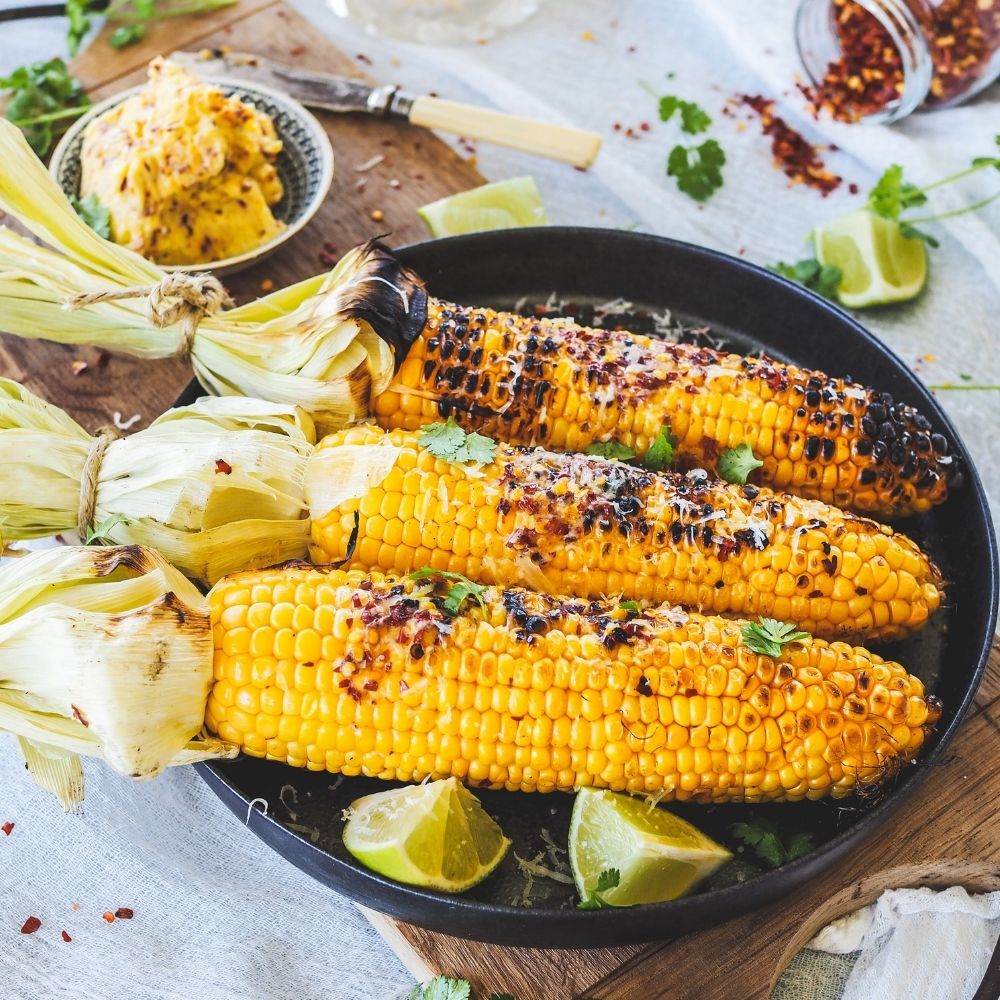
(436, 22)
(930, 36)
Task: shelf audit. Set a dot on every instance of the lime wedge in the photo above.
(658, 855)
(502, 205)
(879, 264)
(435, 835)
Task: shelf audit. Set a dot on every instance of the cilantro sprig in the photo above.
(762, 835)
(449, 442)
(610, 449)
(768, 635)
(823, 279)
(445, 988)
(736, 464)
(100, 534)
(133, 16)
(94, 214)
(696, 168)
(606, 881)
(45, 97)
(632, 607)
(460, 590)
(661, 452)
(893, 195)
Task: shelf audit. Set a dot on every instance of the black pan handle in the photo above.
(42, 10)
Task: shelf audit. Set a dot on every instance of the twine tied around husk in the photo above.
(193, 297)
(89, 480)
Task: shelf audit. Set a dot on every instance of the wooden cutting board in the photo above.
(949, 830)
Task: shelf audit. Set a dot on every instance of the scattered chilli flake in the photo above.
(75, 907)
(108, 916)
(65, 937)
(122, 424)
(31, 925)
(221, 465)
(7, 828)
(124, 913)
(794, 155)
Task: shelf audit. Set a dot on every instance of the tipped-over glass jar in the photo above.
(878, 60)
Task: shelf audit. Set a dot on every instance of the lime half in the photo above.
(435, 835)
(879, 264)
(659, 856)
(502, 205)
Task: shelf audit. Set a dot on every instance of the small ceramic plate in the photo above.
(305, 164)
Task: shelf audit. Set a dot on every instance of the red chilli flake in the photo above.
(8, 829)
(65, 937)
(31, 925)
(797, 158)
(124, 913)
(108, 916)
(221, 465)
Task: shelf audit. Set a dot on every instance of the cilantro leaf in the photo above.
(823, 279)
(45, 97)
(630, 606)
(460, 590)
(736, 464)
(100, 534)
(892, 195)
(661, 452)
(912, 233)
(127, 34)
(610, 449)
(607, 880)
(698, 169)
(442, 988)
(768, 635)
(78, 13)
(694, 118)
(94, 214)
(762, 835)
(449, 442)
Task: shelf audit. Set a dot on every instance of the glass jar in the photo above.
(879, 60)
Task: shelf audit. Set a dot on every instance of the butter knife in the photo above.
(343, 94)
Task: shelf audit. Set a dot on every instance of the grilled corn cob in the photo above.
(573, 524)
(550, 382)
(370, 674)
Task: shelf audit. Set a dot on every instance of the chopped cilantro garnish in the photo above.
(442, 988)
(94, 214)
(762, 835)
(768, 635)
(630, 606)
(698, 169)
(661, 452)
(735, 464)
(449, 442)
(694, 118)
(460, 590)
(607, 880)
(610, 449)
(822, 279)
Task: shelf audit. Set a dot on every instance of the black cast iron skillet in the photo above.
(752, 309)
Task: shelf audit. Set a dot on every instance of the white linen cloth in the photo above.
(217, 915)
(912, 943)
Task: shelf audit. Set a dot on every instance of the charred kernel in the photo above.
(863, 447)
(869, 426)
(939, 443)
(867, 477)
(811, 450)
(812, 399)
(829, 448)
(644, 687)
(887, 432)
(879, 451)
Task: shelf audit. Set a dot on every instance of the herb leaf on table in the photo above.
(762, 835)
(442, 988)
(822, 279)
(45, 97)
(698, 169)
(694, 118)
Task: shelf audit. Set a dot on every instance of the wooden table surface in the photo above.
(947, 832)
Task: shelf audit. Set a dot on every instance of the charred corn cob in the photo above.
(370, 674)
(573, 524)
(550, 382)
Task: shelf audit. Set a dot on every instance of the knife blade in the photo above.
(343, 94)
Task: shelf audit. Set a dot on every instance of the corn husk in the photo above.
(104, 652)
(162, 486)
(312, 345)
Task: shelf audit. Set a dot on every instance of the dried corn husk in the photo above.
(105, 652)
(166, 486)
(312, 345)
